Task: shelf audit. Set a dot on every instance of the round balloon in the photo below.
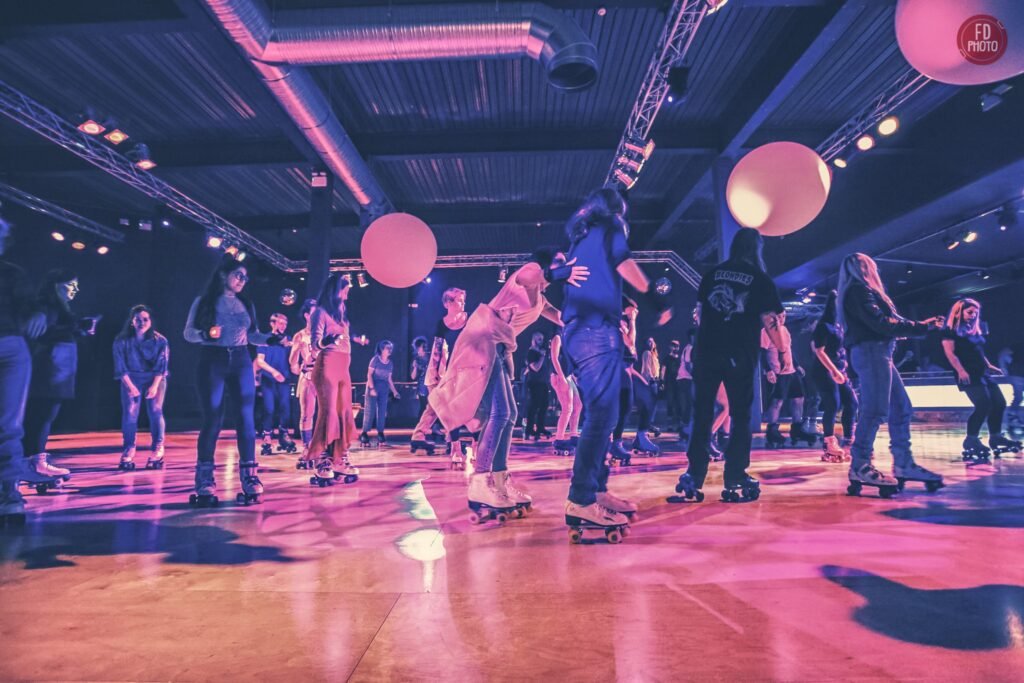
(962, 42)
(663, 286)
(288, 297)
(778, 188)
(399, 250)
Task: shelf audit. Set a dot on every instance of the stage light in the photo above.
(952, 244)
(503, 274)
(812, 294)
(910, 269)
(427, 280)
(318, 179)
(361, 279)
(631, 164)
(231, 250)
(865, 142)
(985, 275)
(165, 222)
(678, 77)
(990, 101)
(141, 156)
(146, 224)
(59, 236)
(968, 236)
(241, 256)
(627, 181)
(601, 11)
(839, 162)
(888, 125)
(645, 150)
(116, 136)
(1007, 218)
(102, 250)
(125, 222)
(79, 246)
(213, 241)
(715, 5)
(89, 123)
(806, 300)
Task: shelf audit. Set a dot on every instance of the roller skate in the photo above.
(305, 461)
(323, 475)
(595, 516)
(656, 430)
(975, 451)
(715, 453)
(504, 485)
(914, 472)
(156, 460)
(347, 472)
(644, 446)
(867, 475)
(811, 427)
(798, 435)
(773, 438)
(1000, 444)
(285, 444)
(266, 448)
(745, 489)
(252, 487)
(563, 447)
(486, 501)
(458, 456)
(381, 441)
(575, 441)
(417, 445)
(127, 463)
(689, 488)
(831, 451)
(364, 440)
(618, 455)
(43, 476)
(12, 505)
(609, 500)
(206, 487)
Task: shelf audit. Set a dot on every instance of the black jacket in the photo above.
(869, 318)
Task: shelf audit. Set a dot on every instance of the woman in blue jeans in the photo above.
(379, 386)
(141, 355)
(872, 326)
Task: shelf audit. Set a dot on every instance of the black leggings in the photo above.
(39, 416)
(536, 407)
(832, 397)
(988, 404)
(226, 369)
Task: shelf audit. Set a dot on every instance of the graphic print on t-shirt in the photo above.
(724, 299)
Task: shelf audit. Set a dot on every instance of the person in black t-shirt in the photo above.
(964, 345)
(735, 300)
(669, 369)
(538, 378)
(832, 383)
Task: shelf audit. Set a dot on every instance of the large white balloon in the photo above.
(399, 250)
(778, 188)
(962, 42)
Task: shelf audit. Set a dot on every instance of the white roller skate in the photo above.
(127, 463)
(252, 487)
(41, 464)
(867, 475)
(625, 507)
(206, 486)
(831, 451)
(323, 474)
(156, 460)
(42, 476)
(347, 472)
(458, 453)
(578, 518)
(504, 484)
(486, 501)
(914, 472)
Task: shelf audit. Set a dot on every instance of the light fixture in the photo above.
(116, 136)
(865, 142)
(101, 250)
(638, 146)
(627, 181)
(715, 5)
(165, 222)
(361, 279)
(240, 256)
(839, 162)
(812, 294)
(632, 164)
(1007, 218)
(952, 243)
(89, 123)
(910, 269)
(79, 246)
(502, 273)
(678, 77)
(540, 224)
(888, 125)
(601, 11)
(141, 156)
(806, 300)
(59, 236)
(146, 224)
(427, 280)
(318, 179)
(213, 241)
(985, 275)
(968, 236)
(125, 222)
(231, 250)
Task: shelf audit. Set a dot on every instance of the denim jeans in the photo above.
(131, 406)
(710, 370)
(496, 433)
(226, 369)
(376, 408)
(882, 398)
(277, 399)
(595, 357)
(15, 372)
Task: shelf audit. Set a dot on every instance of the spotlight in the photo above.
(715, 5)
(125, 222)
(141, 156)
(985, 275)
(361, 279)
(318, 179)
(968, 236)
(910, 269)
(165, 222)
(601, 11)
(503, 274)
(213, 241)
(240, 256)
(644, 149)
(631, 164)
(89, 123)
(231, 250)
(812, 294)
(865, 142)
(806, 300)
(888, 125)
(839, 162)
(540, 224)
(427, 280)
(102, 250)
(627, 181)
(1007, 218)
(990, 101)
(677, 79)
(79, 246)
(59, 236)
(146, 224)
(952, 243)
(116, 136)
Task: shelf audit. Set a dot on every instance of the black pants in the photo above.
(832, 397)
(536, 407)
(685, 387)
(39, 416)
(674, 407)
(226, 370)
(625, 404)
(709, 372)
(988, 404)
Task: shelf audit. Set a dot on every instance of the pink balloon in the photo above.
(778, 188)
(399, 250)
(962, 42)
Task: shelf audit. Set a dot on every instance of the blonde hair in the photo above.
(451, 294)
(858, 267)
(956, 317)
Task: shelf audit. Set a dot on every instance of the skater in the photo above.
(833, 384)
(964, 344)
(684, 380)
(141, 357)
(1013, 412)
(272, 361)
(736, 299)
(476, 391)
(669, 371)
(568, 431)
(301, 360)
(720, 426)
(222, 320)
(379, 386)
(537, 380)
(445, 335)
(335, 427)
(18, 319)
(872, 324)
(54, 366)
(418, 370)
(784, 383)
(619, 453)
(650, 370)
(598, 233)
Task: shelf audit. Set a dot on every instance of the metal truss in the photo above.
(901, 89)
(40, 205)
(34, 116)
(684, 18)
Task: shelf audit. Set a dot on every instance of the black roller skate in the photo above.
(252, 487)
(867, 475)
(285, 444)
(347, 473)
(618, 455)
(1001, 444)
(323, 475)
(364, 440)
(914, 472)
(127, 463)
(595, 516)
(575, 441)
(563, 447)
(975, 452)
(266, 448)
(689, 489)
(206, 487)
(741, 490)
(656, 430)
(797, 435)
(773, 438)
(156, 460)
(12, 506)
(417, 445)
(644, 446)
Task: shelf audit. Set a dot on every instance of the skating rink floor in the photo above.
(116, 578)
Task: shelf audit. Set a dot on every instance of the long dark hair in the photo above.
(127, 331)
(48, 291)
(747, 245)
(330, 297)
(206, 312)
(828, 316)
(599, 205)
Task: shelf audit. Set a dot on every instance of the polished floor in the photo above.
(117, 578)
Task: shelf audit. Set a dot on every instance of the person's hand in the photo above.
(133, 390)
(278, 376)
(632, 312)
(962, 377)
(152, 391)
(396, 394)
(362, 340)
(36, 326)
(838, 377)
(664, 317)
(934, 323)
(214, 332)
(996, 370)
(770, 376)
(371, 392)
(579, 273)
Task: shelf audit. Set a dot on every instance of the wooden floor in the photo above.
(117, 578)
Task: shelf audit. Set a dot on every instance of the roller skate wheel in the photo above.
(575, 536)
(520, 513)
(241, 498)
(613, 536)
(933, 486)
(699, 496)
(887, 491)
(901, 483)
(626, 532)
(193, 499)
(501, 517)
(752, 494)
(474, 518)
(854, 488)
(351, 478)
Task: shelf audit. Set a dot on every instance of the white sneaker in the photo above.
(595, 513)
(616, 504)
(482, 490)
(44, 468)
